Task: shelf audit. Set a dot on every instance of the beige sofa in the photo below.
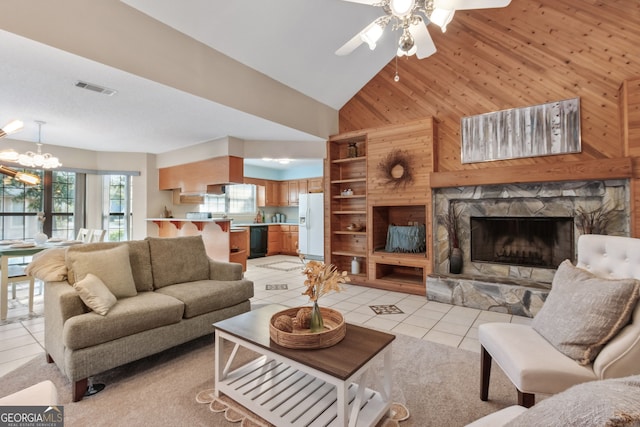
(161, 292)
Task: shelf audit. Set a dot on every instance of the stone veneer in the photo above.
(508, 288)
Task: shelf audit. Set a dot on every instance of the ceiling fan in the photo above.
(412, 17)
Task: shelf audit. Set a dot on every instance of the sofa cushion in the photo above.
(612, 402)
(139, 258)
(145, 311)
(110, 265)
(178, 260)
(583, 311)
(95, 294)
(205, 296)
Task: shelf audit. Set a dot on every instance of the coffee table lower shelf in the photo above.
(284, 395)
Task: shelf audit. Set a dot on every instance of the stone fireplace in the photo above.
(513, 237)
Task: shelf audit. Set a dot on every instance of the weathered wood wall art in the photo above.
(538, 130)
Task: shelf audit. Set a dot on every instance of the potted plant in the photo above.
(450, 221)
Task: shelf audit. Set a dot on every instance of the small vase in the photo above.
(316, 324)
(40, 238)
(455, 261)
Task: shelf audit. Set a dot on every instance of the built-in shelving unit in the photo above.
(361, 192)
(346, 171)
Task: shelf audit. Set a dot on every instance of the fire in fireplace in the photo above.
(524, 241)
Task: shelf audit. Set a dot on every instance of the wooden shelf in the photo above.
(350, 159)
(350, 212)
(357, 233)
(355, 196)
(347, 181)
(349, 254)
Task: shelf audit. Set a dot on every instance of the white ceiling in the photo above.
(291, 41)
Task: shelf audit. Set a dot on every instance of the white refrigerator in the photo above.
(311, 225)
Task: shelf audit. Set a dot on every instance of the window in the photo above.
(63, 198)
(237, 199)
(20, 204)
(117, 211)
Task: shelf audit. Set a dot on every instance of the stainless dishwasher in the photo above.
(258, 238)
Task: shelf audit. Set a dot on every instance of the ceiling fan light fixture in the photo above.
(11, 127)
(25, 178)
(441, 17)
(407, 43)
(401, 8)
(372, 34)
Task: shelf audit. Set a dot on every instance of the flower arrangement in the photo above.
(321, 279)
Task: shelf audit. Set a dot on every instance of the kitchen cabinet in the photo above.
(293, 190)
(238, 245)
(289, 239)
(274, 242)
(303, 186)
(315, 185)
(197, 177)
(272, 197)
(283, 193)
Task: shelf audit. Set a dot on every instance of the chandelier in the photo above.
(31, 159)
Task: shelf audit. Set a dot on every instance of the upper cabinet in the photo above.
(284, 193)
(203, 176)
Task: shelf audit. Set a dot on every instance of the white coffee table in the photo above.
(304, 387)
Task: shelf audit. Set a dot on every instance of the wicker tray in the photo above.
(334, 332)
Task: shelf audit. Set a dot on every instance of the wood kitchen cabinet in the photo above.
(272, 197)
(274, 240)
(238, 246)
(293, 190)
(289, 239)
(283, 193)
(315, 185)
(303, 186)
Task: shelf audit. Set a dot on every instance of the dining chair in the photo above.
(83, 235)
(96, 235)
(16, 274)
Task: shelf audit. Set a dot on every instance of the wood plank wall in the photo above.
(532, 52)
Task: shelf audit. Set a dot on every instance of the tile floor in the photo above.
(22, 335)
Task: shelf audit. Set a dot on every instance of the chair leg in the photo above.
(526, 399)
(485, 374)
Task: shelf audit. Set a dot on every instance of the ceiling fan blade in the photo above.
(469, 4)
(351, 45)
(424, 43)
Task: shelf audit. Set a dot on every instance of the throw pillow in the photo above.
(583, 311)
(112, 266)
(607, 403)
(48, 265)
(95, 294)
(178, 260)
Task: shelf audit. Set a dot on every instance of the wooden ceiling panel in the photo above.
(529, 53)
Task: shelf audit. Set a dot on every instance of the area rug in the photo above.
(236, 413)
(438, 384)
(276, 287)
(283, 265)
(386, 309)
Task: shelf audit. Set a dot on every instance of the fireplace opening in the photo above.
(542, 242)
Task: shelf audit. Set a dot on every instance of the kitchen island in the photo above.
(214, 232)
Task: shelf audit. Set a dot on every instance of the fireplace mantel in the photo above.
(620, 168)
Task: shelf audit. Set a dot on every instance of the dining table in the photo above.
(15, 250)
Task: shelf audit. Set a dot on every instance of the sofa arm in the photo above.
(225, 271)
(61, 302)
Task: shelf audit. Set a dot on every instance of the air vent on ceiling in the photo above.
(95, 88)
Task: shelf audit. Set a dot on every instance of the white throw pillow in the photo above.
(95, 294)
(112, 266)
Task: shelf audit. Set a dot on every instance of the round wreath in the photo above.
(396, 168)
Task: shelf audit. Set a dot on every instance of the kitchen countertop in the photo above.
(253, 224)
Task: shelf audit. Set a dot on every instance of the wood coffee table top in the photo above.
(341, 360)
